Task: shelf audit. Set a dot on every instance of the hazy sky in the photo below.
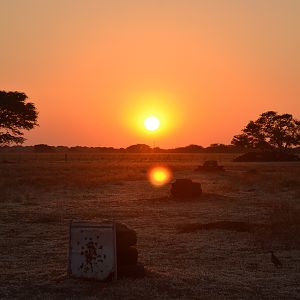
(96, 68)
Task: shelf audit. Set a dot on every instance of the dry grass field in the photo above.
(42, 193)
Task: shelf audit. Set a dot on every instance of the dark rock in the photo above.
(185, 188)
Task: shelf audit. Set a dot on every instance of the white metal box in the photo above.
(92, 252)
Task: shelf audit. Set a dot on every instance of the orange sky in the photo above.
(96, 68)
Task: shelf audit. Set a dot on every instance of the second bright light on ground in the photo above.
(159, 176)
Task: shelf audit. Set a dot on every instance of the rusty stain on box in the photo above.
(92, 252)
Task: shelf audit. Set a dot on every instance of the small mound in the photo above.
(266, 157)
(221, 225)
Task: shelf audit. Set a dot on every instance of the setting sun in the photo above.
(152, 123)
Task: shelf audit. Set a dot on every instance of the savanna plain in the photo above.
(40, 194)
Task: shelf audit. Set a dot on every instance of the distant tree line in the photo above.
(138, 148)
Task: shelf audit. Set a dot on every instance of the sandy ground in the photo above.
(40, 197)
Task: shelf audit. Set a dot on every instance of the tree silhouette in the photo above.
(139, 148)
(15, 115)
(270, 131)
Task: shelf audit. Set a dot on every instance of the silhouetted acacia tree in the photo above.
(270, 131)
(15, 115)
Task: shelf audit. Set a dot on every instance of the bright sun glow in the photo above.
(159, 176)
(152, 123)
(151, 115)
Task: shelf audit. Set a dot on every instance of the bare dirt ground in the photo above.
(41, 194)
